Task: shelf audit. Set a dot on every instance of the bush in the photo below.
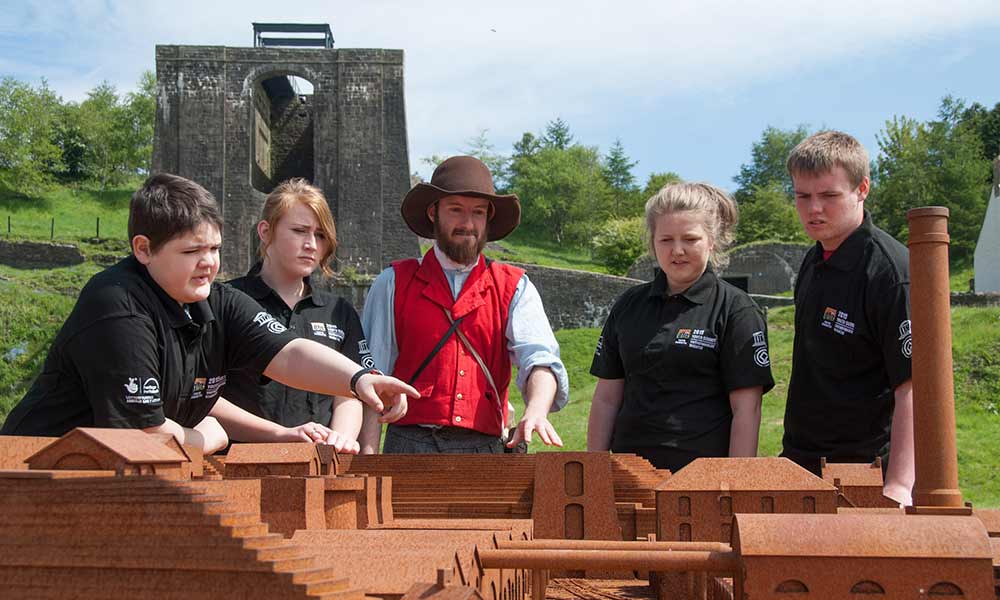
(619, 242)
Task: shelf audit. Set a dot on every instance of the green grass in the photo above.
(75, 210)
(33, 306)
(528, 247)
(34, 303)
(960, 276)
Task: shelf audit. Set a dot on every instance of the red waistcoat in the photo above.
(454, 391)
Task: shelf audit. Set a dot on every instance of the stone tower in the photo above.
(232, 120)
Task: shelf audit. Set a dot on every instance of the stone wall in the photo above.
(768, 268)
(572, 299)
(38, 255)
(576, 299)
(206, 127)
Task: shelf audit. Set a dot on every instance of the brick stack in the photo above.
(144, 537)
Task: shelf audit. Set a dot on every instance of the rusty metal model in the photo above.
(125, 514)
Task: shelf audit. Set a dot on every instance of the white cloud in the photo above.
(508, 67)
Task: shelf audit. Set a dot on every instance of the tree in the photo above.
(771, 216)
(563, 192)
(986, 124)
(28, 153)
(656, 181)
(139, 117)
(768, 158)
(480, 147)
(619, 242)
(104, 122)
(68, 135)
(617, 172)
(557, 135)
(939, 162)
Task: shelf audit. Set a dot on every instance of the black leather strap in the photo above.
(427, 360)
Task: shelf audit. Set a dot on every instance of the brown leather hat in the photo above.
(464, 176)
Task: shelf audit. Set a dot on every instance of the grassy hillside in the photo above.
(34, 303)
(75, 210)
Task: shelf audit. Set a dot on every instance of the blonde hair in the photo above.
(719, 209)
(281, 199)
(821, 152)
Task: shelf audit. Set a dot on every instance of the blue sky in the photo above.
(687, 86)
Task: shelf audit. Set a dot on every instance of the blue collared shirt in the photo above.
(529, 336)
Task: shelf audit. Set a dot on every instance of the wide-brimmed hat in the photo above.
(464, 176)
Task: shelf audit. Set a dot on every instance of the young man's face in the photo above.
(460, 226)
(186, 265)
(829, 206)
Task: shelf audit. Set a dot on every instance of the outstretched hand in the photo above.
(321, 434)
(386, 395)
(539, 424)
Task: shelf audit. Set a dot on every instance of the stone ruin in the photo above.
(233, 120)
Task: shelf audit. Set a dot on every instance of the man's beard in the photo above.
(463, 251)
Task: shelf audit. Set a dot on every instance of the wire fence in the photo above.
(53, 228)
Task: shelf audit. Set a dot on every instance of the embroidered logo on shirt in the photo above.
(263, 319)
(334, 333)
(837, 321)
(198, 389)
(319, 329)
(363, 347)
(904, 336)
(147, 393)
(696, 339)
(600, 343)
(151, 386)
(760, 355)
(215, 384)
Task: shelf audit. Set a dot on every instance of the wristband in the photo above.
(357, 376)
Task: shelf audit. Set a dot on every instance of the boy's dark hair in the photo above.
(167, 206)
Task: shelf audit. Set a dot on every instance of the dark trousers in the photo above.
(414, 439)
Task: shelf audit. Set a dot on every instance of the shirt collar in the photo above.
(449, 265)
(172, 310)
(698, 293)
(852, 249)
(258, 289)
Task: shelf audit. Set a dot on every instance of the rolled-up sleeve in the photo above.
(531, 342)
(379, 321)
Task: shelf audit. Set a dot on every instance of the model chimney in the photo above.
(936, 458)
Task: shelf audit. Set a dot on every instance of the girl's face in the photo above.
(297, 242)
(682, 245)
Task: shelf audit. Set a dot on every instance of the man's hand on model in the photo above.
(537, 423)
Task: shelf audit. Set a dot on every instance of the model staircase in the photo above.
(146, 538)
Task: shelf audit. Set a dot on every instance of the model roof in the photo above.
(132, 445)
(854, 474)
(283, 453)
(744, 474)
(861, 535)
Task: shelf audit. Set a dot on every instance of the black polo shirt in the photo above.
(321, 317)
(680, 356)
(130, 356)
(851, 350)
